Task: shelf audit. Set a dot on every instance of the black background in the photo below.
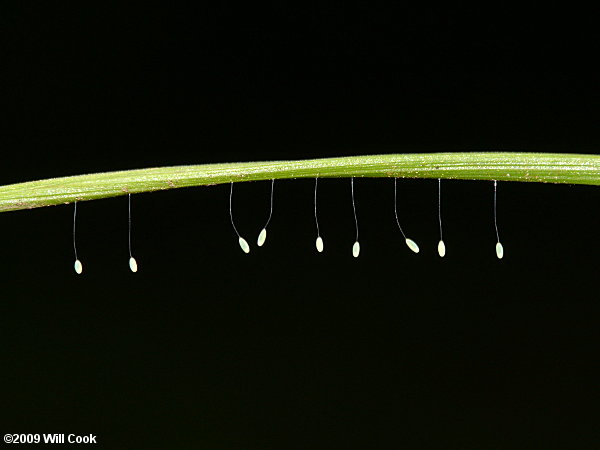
(206, 347)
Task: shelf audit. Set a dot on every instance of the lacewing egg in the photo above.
(262, 237)
(412, 245)
(244, 245)
(356, 249)
(133, 264)
(442, 248)
(78, 267)
(319, 244)
(499, 250)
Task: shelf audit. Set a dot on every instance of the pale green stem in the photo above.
(532, 167)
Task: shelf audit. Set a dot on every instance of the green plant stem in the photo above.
(531, 167)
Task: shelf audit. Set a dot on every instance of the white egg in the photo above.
(442, 248)
(499, 250)
(412, 245)
(244, 245)
(319, 244)
(356, 249)
(262, 237)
